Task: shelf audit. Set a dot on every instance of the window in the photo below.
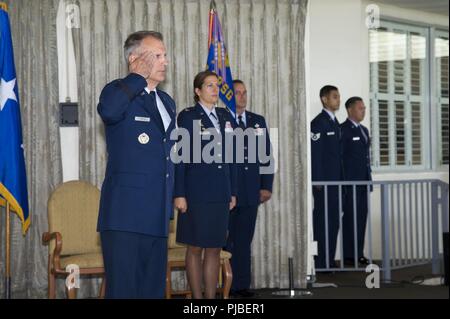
(441, 62)
(400, 97)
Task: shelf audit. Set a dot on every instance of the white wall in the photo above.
(67, 90)
(337, 53)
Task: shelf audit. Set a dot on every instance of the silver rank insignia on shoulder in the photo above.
(143, 138)
(315, 137)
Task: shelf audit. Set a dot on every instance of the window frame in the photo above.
(430, 138)
(436, 33)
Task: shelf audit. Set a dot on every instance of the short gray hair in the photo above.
(134, 41)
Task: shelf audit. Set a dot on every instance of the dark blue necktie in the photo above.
(338, 128)
(363, 133)
(154, 107)
(241, 123)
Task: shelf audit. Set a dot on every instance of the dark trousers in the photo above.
(240, 235)
(319, 224)
(135, 264)
(348, 222)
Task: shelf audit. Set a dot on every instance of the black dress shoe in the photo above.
(243, 293)
(363, 261)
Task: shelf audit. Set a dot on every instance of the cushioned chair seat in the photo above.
(94, 260)
(176, 254)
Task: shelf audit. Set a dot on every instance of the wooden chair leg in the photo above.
(169, 282)
(227, 278)
(71, 293)
(101, 294)
(188, 294)
(51, 280)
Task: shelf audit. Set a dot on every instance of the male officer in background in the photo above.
(136, 197)
(326, 166)
(356, 161)
(254, 188)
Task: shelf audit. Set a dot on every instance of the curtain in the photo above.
(33, 28)
(265, 42)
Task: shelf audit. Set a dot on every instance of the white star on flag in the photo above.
(7, 92)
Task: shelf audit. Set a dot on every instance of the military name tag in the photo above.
(141, 119)
(356, 138)
(330, 133)
(228, 127)
(143, 138)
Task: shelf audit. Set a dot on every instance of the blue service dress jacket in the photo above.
(326, 149)
(136, 195)
(250, 179)
(204, 182)
(356, 152)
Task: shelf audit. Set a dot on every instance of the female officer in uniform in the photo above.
(204, 191)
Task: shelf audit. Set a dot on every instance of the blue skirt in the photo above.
(204, 225)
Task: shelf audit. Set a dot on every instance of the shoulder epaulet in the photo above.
(188, 109)
(222, 109)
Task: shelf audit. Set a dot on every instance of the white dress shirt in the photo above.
(214, 118)
(162, 110)
(244, 118)
(331, 114)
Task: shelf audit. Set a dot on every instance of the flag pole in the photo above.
(4, 6)
(8, 255)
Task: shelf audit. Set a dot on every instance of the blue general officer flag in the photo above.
(13, 180)
(218, 60)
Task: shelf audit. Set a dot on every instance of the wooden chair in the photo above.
(176, 260)
(72, 219)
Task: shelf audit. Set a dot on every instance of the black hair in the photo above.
(327, 90)
(349, 103)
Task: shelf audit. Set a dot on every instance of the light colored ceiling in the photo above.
(431, 6)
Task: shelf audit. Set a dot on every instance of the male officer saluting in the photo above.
(356, 161)
(254, 188)
(136, 197)
(326, 166)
